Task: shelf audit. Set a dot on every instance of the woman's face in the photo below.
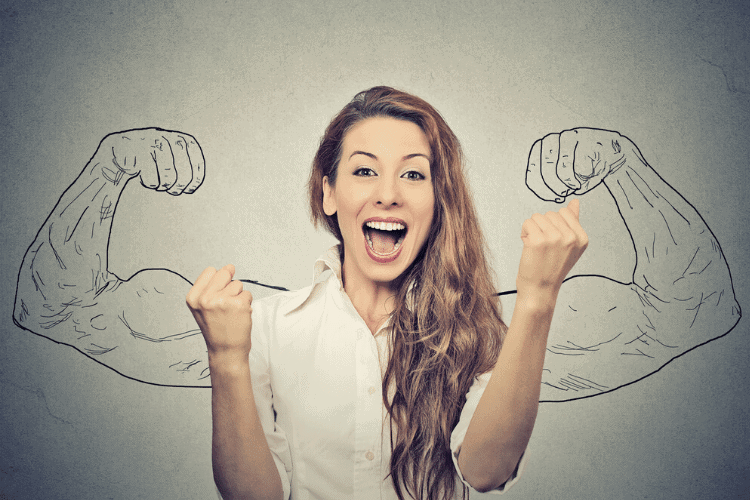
(383, 198)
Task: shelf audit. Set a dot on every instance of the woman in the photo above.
(406, 302)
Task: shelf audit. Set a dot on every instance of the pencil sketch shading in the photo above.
(605, 335)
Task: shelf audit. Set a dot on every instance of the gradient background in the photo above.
(256, 85)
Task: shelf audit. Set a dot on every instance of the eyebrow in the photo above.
(407, 157)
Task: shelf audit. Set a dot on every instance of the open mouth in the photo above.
(384, 238)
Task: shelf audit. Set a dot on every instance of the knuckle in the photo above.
(204, 302)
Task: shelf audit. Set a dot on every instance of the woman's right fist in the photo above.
(223, 311)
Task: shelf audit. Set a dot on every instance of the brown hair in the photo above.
(451, 330)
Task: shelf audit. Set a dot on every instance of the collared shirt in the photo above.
(317, 375)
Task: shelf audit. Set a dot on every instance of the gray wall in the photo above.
(256, 85)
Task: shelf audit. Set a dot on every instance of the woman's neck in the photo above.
(373, 301)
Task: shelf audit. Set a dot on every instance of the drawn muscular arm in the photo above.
(139, 326)
(607, 334)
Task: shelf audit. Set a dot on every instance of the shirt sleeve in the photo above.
(459, 433)
(263, 393)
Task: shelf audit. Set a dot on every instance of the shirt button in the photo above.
(372, 389)
(369, 455)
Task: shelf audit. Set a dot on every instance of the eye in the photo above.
(364, 172)
(413, 175)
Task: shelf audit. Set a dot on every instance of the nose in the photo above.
(388, 192)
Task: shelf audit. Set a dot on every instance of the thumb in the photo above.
(574, 206)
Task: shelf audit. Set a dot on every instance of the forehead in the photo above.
(386, 136)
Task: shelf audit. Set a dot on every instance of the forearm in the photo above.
(77, 231)
(68, 257)
(504, 419)
(242, 462)
(674, 247)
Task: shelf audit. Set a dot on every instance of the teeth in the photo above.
(385, 226)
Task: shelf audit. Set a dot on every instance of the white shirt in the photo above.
(317, 373)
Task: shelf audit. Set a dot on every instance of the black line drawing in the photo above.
(606, 334)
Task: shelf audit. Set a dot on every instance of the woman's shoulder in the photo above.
(281, 302)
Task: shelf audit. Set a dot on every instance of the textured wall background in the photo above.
(256, 84)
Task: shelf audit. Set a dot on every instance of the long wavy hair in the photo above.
(446, 323)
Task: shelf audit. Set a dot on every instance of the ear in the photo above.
(329, 200)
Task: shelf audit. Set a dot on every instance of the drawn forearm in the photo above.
(68, 259)
(77, 231)
(678, 260)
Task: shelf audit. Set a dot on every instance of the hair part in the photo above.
(447, 327)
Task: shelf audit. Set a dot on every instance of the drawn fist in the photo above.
(165, 160)
(574, 161)
(223, 311)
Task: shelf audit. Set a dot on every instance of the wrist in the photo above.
(537, 299)
(103, 168)
(228, 363)
(632, 160)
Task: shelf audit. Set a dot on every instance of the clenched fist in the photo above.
(575, 161)
(164, 160)
(552, 244)
(223, 311)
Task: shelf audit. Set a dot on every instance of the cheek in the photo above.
(355, 200)
(427, 208)
(350, 207)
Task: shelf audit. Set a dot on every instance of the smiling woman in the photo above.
(406, 302)
(382, 181)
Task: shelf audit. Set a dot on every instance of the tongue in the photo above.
(383, 242)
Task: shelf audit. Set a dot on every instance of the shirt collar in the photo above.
(329, 261)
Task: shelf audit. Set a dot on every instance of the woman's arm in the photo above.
(502, 423)
(242, 461)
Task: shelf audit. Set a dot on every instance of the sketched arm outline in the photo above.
(140, 326)
(607, 334)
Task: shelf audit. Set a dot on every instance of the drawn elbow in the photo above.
(20, 313)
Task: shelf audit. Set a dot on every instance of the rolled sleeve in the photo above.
(459, 433)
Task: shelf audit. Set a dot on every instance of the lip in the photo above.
(384, 259)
